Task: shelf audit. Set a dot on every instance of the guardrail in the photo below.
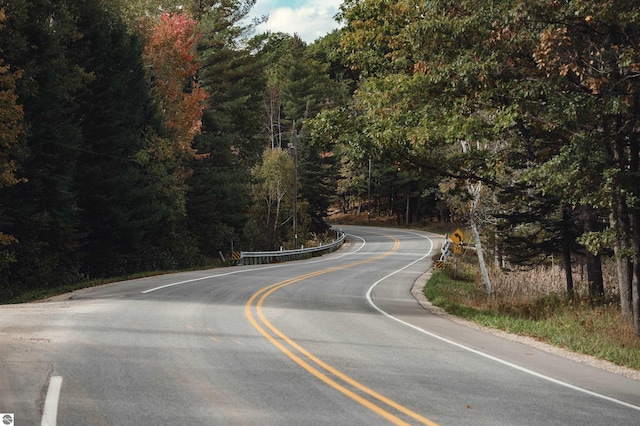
(261, 257)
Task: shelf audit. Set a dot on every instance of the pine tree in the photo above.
(119, 201)
(43, 210)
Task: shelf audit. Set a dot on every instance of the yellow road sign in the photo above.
(457, 249)
(457, 236)
(439, 264)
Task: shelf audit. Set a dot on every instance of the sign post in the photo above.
(457, 237)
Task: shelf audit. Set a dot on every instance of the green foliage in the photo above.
(219, 196)
(118, 200)
(273, 192)
(546, 93)
(317, 185)
(298, 88)
(11, 145)
(42, 211)
(11, 127)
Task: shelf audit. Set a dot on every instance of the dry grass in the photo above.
(544, 280)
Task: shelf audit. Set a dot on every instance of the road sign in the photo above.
(439, 264)
(457, 249)
(236, 255)
(457, 236)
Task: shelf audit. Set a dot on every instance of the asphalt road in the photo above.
(336, 340)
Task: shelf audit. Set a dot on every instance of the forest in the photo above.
(158, 134)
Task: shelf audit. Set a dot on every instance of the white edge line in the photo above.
(501, 361)
(238, 272)
(50, 412)
(206, 278)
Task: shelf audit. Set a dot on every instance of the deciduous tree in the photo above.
(593, 48)
(170, 57)
(273, 189)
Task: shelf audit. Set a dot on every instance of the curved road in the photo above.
(331, 340)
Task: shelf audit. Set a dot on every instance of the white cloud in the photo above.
(311, 20)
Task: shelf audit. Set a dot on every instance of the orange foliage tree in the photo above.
(169, 55)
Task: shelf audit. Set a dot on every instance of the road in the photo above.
(335, 340)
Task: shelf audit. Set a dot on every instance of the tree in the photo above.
(102, 170)
(219, 192)
(11, 114)
(273, 189)
(125, 210)
(42, 211)
(591, 50)
(298, 88)
(440, 74)
(475, 189)
(554, 82)
(169, 54)
(11, 129)
(316, 183)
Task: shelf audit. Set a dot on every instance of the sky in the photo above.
(310, 19)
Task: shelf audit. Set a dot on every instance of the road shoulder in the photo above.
(418, 293)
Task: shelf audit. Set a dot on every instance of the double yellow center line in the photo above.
(316, 366)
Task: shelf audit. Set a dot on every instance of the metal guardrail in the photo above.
(262, 257)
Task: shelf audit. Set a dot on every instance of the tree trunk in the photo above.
(635, 281)
(475, 190)
(483, 266)
(407, 217)
(633, 235)
(626, 224)
(623, 265)
(621, 226)
(277, 217)
(635, 298)
(566, 250)
(594, 261)
(594, 276)
(566, 255)
(269, 227)
(476, 235)
(498, 257)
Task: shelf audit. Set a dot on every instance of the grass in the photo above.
(576, 325)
